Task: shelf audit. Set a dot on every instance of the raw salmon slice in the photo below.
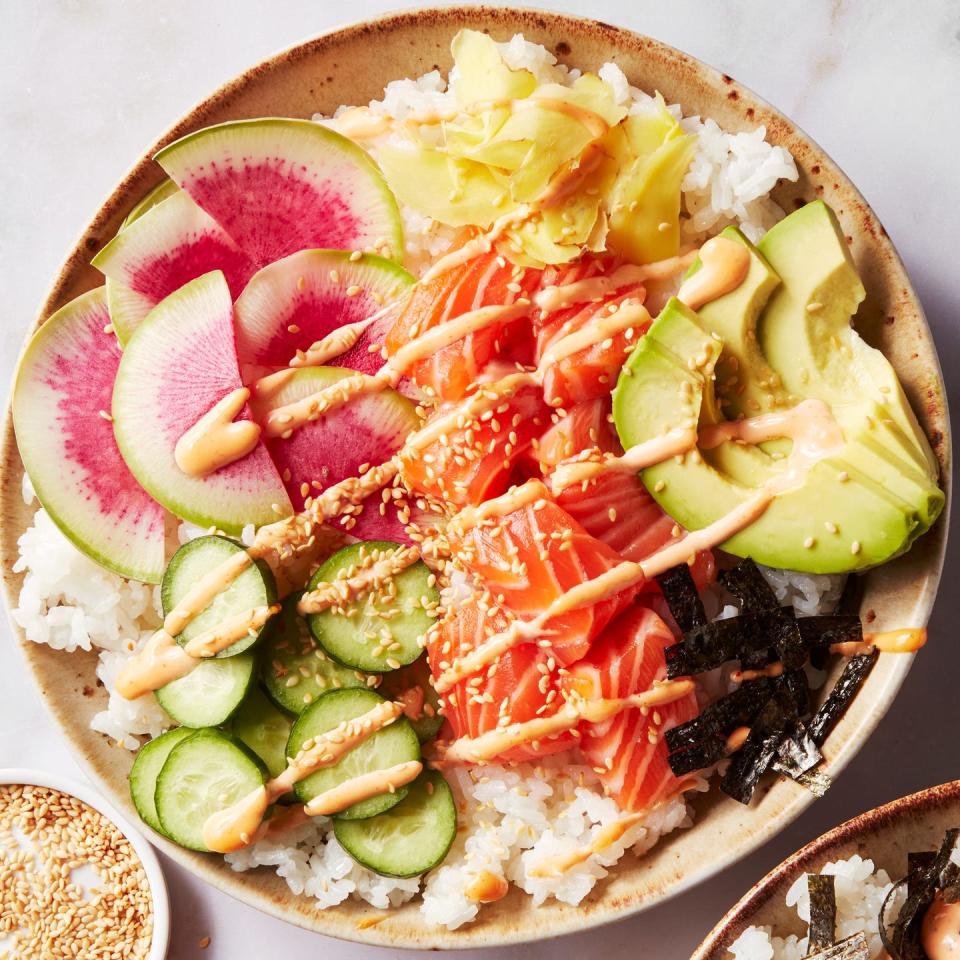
(522, 686)
(592, 371)
(476, 460)
(614, 507)
(486, 280)
(628, 751)
(529, 558)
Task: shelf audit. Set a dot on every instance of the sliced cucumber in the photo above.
(410, 838)
(211, 693)
(379, 634)
(264, 729)
(202, 775)
(411, 686)
(254, 587)
(386, 748)
(295, 670)
(146, 768)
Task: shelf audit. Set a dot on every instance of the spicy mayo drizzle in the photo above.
(237, 826)
(725, 264)
(215, 439)
(604, 838)
(495, 742)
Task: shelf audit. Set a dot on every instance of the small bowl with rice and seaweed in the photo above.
(460, 483)
(883, 886)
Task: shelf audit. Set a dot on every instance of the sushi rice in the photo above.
(513, 816)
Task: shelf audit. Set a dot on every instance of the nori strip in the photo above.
(799, 688)
(917, 863)
(823, 912)
(748, 585)
(797, 753)
(747, 638)
(822, 631)
(904, 942)
(753, 759)
(853, 948)
(682, 598)
(721, 717)
(833, 708)
(705, 754)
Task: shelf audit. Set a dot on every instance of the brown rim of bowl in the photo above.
(814, 854)
(672, 866)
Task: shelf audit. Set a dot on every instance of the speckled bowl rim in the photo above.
(160, 937)
(508, 922)
(882, 819)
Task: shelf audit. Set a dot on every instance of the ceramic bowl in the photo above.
(151, 866)
(352, 65)
(884, 835)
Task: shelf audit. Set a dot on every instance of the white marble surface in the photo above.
(85, 85)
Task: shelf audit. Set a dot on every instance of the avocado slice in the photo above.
(806, 335)
(839, 519)
(746, 383)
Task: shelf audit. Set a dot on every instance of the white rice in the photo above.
(514, 817)
(860, 891)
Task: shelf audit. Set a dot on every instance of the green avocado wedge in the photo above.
(857, 507)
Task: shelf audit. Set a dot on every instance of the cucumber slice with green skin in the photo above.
(410, 838)
(211, 693)
(389, 746)
(203, 775)
(255, 587)
(367, 640)
(294, 669)
(264, 729)
(411, 686)
(146, 768)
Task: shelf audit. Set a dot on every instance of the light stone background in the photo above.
(86, 85)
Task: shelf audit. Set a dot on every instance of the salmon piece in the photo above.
(476, 461)
(521, 688)
(593, 371)
(486, 280)
(628, 751)
(615, 506)
(531, 557)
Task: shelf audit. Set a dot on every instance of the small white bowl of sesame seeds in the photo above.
(78, 878)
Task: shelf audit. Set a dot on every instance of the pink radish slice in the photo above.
(279, 185)
(368, 429)
(295, 302)
(181, 361)
(159, 251)
(61, 404)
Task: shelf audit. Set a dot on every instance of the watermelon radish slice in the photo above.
(293, 303)
(180, 362)
(164, 247)
(279, 185)
(61, 403)
(368, 429)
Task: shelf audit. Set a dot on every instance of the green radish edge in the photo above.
(145, 770)
(286, 646)
(344, 638)
(164, 189)
(264, 729)
(254, 587)
(410, 838)
(191, 767)
(393, 744)
(211, 693)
